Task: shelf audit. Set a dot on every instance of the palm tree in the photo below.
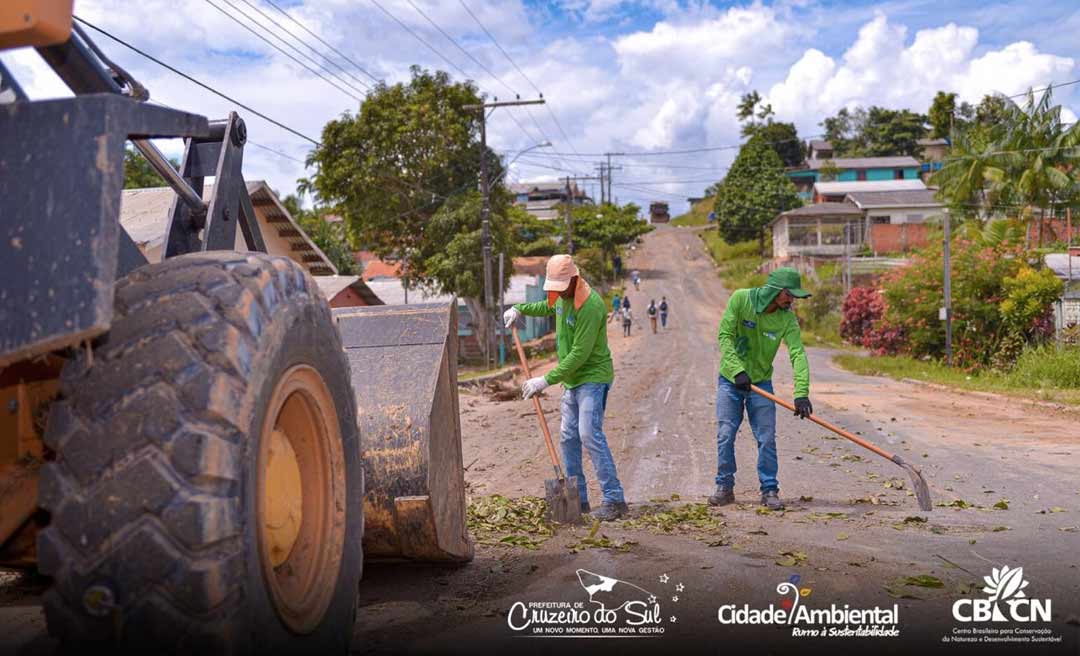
(972, 177)
(1040, 154)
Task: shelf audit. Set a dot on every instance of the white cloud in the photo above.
(882, 68)
(616, 84)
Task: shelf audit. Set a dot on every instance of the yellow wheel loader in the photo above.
(196, 450)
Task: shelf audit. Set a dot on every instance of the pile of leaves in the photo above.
(687, 518)
(498, 520)
(597, 540)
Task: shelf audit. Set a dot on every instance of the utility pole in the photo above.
(602, 168)
(609, 169)
(485, 216)
(570, 209)
(847, 258)
(947, 310)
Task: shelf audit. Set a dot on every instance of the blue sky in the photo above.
(643, 76)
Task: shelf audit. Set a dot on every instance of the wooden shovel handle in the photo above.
(821, 422)
(539, 409)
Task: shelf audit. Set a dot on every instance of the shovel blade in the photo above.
(563, 500)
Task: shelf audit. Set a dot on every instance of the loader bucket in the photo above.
(403, 360)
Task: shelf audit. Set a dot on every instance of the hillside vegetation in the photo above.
(698, 214)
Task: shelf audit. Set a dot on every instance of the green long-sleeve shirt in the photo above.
(749, 342)
(580, 338)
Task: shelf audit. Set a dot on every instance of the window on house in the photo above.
(880, 220)
(913, 218)
(802, 235)
(860, 175)
(898, 174)
(832, 232)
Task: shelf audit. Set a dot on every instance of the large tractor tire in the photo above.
(206, 491)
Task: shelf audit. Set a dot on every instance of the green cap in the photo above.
(787, 278)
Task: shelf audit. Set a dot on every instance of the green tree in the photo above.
(973, 176)
(607, 227)
(138, 174)
(874, 132)
(329, 237)
(390, 169)
(757, 120)
(943, 115)
(754, 191)
(828, 171)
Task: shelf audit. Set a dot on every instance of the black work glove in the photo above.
(742, 382)
(803, 409)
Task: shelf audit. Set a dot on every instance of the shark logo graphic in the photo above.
(610, 593)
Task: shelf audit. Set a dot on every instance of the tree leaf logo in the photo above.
(1005, 583)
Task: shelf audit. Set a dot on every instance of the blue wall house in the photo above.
(851, 169)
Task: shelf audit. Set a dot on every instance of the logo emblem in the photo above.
(1006, 600)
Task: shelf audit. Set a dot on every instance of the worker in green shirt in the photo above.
(586, 373)
(755, 322)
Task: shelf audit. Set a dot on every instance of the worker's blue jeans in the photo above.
(583, 423)
(729, 414)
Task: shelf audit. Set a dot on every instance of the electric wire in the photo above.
(513, 63)
(278, 48)
(195, 81)
(323, 41)
(307, 45)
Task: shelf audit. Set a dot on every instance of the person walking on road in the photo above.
(635, 275)
(586, 372)
(627, 319)
(614, 306)
(652, 312)
(755, 321)
(663, 311)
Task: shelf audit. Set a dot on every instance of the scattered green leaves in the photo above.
(1002, 505)
(791, 559)
(518, 522)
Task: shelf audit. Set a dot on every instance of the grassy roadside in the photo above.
(1023, 382)
(819, 317)
(698, 214)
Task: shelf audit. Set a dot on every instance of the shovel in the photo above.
(561, 493)
(922, 491)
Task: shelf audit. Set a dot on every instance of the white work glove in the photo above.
(510, 317)
(533, 386)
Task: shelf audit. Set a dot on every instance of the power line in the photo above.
(525, 77)
(306, 44)
(276, 152)
(463, 50)
(323, 41)
(420, 38)
(278, 48)
(198, 82)
(446, 59)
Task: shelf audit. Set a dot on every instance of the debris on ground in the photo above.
(791, 559)
(900, 588)
(597, 540)
(518, 522)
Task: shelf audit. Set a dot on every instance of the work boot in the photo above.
(610, 511)
(585, 509)
(771, 500)
(722, 497)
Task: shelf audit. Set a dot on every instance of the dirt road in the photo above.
(847, 510)
(851, 535)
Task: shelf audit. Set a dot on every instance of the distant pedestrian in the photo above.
(615, 305)
(626, 302)
(663, 311)
(626, 320)
(635, 275)
(617, 261)
(652, 312)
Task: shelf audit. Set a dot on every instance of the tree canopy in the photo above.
(607, 227)
(875, 132)
(753, 192)
(757, 120)
(138, 174)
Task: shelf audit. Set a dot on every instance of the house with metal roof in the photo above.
(821, 230)
(897, 206)
(545, 199)
(848, 169)
(144, 213)
(836, 191)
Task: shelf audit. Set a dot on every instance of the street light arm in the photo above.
(546, 144)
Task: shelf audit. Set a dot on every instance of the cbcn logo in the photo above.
(1007, 601)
